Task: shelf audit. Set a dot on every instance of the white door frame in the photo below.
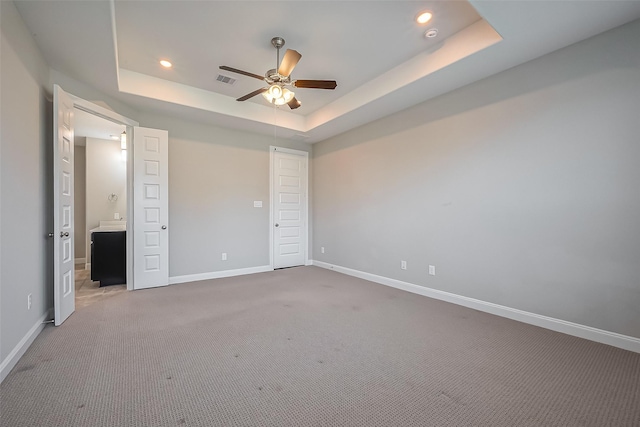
(112, 116)
(272, 151)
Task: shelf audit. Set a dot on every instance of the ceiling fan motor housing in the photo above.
(272, 76)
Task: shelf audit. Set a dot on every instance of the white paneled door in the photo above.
(289, 204)
(151, 207)
(63, 281)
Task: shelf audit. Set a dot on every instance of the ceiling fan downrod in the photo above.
(277, 42)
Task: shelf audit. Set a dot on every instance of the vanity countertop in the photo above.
(110, 226)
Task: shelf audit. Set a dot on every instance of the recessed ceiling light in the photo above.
(165, 63)
(431, 33)
(424, 17)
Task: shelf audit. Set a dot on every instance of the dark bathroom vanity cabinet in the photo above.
(109, 257)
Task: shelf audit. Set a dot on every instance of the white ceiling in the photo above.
(373, 49)
(318, 33)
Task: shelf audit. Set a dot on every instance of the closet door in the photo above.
(289, 207)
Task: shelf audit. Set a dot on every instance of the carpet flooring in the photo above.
(310, 347)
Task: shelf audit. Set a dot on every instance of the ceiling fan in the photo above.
(280, 77)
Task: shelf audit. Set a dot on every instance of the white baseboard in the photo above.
(569, 328)
(218, 274)
(12, 358)
(80, 261)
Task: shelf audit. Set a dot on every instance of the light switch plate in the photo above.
(257, 204)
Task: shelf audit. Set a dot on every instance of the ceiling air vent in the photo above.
(225, 79)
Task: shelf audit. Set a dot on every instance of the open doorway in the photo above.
(147, 211)
(100, 199)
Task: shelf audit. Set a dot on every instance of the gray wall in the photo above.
(79, 200)
(106, 174)
(522, 189)
(215, 175)
(25, 172)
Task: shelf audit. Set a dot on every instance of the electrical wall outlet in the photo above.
(403, 265)
(322, 249)
(116, 215)
(432, 270)
(29, 301)
(224, 256)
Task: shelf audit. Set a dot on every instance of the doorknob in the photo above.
(64, 234)
(50, 235)
(164, 227)
(277, 225)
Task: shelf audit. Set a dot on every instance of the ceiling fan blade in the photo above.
(252, 94)
(294, 103)
(244, 73)
(290, 60)
(316, 84)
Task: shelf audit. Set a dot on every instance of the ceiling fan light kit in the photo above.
(278, 95)
(275, 91)
(278, 78)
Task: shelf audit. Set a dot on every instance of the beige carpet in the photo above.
(311, 347)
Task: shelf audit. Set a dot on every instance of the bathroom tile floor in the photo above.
(88, 291)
